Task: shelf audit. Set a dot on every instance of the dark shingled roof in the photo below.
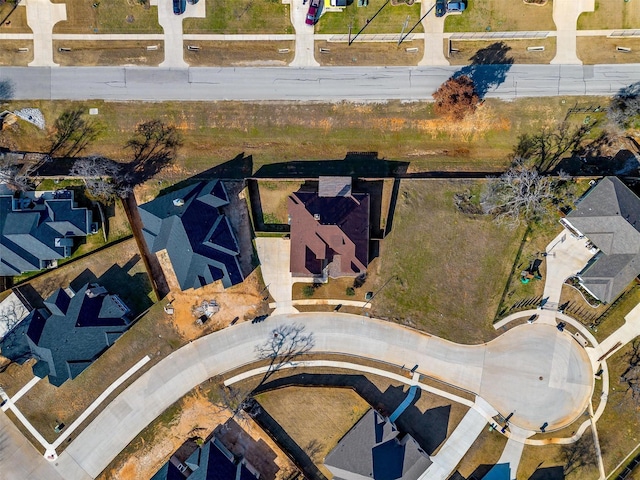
(28, 234)
(212, 461)
(609, 216)
(72, 332)
(329, 232)
(373, 449)
(196, 234)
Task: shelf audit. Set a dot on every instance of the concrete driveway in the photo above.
(565, 16)
(433, 36)
(172, 26)
(274, 255)
(535, 370)
(304, 55)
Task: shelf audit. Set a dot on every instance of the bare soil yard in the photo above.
(10, 55)
(108, 53)
(595, 50)
(369, 53)
(238, 53)
(517, 50)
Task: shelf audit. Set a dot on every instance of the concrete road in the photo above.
(286, 83)
(505, 372)
(19, 460)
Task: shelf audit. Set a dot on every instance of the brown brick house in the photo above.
(329, 230)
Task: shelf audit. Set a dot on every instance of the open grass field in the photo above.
(10, 56)
(91, 53)
(369, 53)
(241, 16)
(595, 50)
(610, 15)
(215, 133)
(501, 16)
(316, 418)
(390, 19)
(237, 53)
(13, 20)
(110, 16)
(446, 270)
(517, 50)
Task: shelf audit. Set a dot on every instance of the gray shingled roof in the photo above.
(373, 449)
(609, 216)
(197, 236)
(28, 235)
(72, 332)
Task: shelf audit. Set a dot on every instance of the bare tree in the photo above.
(72, 133)
(456, 98)
(284, 344)
(104, 178)
(544, 149)
(12, 176)
(520, 194)
(624, 109)
(631, 376)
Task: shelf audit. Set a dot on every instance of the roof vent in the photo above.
(178, 202)
(316, 216)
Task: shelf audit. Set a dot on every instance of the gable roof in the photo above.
(374, 449)
(211, 461)
(73, 331)
(329, 231)
(30, 229)
(198, 237)
(609, 215)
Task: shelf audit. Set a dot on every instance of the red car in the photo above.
(313, 11)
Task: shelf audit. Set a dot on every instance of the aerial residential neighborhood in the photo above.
(320, 239)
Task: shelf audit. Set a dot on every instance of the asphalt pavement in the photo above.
(329, 84)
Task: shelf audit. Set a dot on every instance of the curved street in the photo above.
(539, 373)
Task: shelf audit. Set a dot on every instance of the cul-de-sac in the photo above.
(320, 239)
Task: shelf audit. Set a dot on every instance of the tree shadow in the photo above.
(354, 164)
(548, 473)
(429, 429)
(7, 89)
(488, 67)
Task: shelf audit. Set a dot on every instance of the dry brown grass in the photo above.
(273, 197)
(595, 50)
(485, 450)
(110, 16)
(237, 53)
(369, 53)
(517, 50)
(108, 53)
(9, 54)
(316, 418)
(16, 18)
(449, 268)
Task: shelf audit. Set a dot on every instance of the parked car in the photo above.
(192, 2)
(312, 13)
(441, 8)
(455, 7)
(179, 6)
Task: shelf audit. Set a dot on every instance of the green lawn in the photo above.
(241, 16)
(450, 268)
(389, 20)
(109, 16)
(501, 16)
(610, 14)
